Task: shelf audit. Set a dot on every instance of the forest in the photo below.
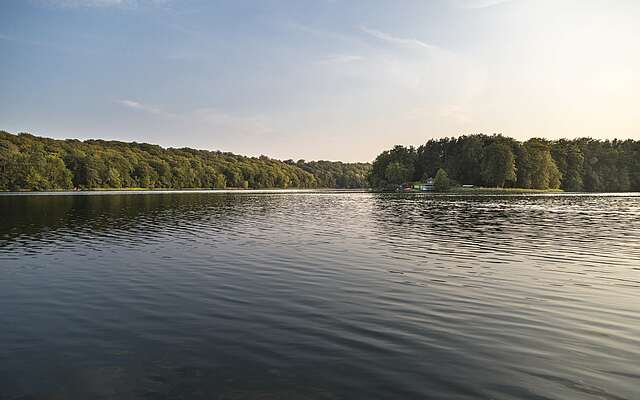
(575, 165)
(29, 162)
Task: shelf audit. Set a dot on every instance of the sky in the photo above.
(322, 79)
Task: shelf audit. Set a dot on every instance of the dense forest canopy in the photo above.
(497, 161)
(28, 162)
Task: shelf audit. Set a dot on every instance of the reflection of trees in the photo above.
(427, 217)
(125, 216)
(530, 226)
(423, 222)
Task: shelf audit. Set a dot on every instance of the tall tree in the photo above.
(498, 165)
(441, 181)
(393, 167)
(540, 167)
(397, 173)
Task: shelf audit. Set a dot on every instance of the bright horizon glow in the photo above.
(315, 80)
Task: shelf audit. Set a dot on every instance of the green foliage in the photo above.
(498, 165)
(540, 170)
(497, 161)
(336, 173)
(393, 167)
(34, 163)
(441, 182)
(396, 173)
(570, 162)
(31, 167)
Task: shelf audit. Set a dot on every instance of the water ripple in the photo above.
(319, 296)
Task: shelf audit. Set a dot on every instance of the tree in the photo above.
(393, 167)
(569, 158)
(32, 163)
(498, 165)
(28, 162)
(541, 170)
(220, 181)
(441, 181)
(470, 159)
(396, 173)
(575, 165)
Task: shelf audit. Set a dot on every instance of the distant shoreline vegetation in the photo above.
(578, 165)
(488, 163)
(31, 163)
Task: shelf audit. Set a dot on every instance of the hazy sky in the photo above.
(332, 79)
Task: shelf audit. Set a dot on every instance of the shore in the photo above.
(485, 190)
(185, 190)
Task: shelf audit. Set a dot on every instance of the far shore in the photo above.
(184, 190)
(486, 190)
(452, 191)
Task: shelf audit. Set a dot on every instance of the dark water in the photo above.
(319, 296)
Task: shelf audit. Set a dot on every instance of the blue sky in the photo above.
(332, 79)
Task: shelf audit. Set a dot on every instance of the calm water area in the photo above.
(319, 295)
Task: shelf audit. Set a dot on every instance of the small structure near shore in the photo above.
(426, 186)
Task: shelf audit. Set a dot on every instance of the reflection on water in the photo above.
(319, 296)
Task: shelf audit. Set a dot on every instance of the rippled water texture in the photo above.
(319, 296)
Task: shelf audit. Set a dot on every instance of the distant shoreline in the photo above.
(169, 191)
(29, 162)
(478, 191)
(486, 190)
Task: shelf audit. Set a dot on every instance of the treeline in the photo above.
(28, 162)
(497, 161)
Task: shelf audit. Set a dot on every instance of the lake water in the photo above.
(316, 295)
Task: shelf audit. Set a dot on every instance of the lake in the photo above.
(319, 295)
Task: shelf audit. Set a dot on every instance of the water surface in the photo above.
(319, 296)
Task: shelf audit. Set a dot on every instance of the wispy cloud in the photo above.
(323, 34)
(398, 41)
(340, 59)
(206, 119)
(135, 105)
